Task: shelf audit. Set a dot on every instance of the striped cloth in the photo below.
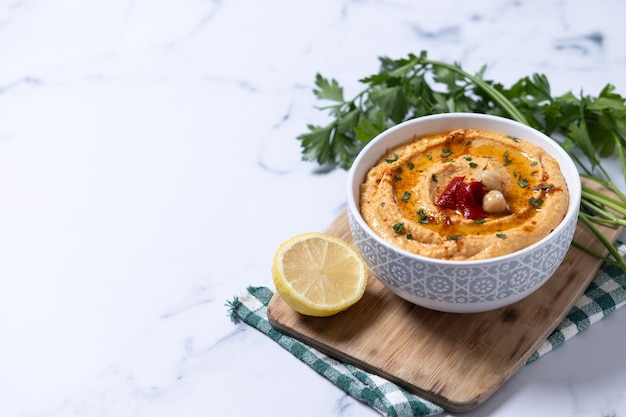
(606, 293)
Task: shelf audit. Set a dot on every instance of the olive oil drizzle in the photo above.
(527, 183)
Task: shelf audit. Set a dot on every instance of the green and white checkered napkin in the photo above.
(606, 293)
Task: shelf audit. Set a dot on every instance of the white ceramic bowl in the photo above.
(461, 286)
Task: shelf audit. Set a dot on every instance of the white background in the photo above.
(149, 168)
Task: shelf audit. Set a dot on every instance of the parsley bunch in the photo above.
(589, 128)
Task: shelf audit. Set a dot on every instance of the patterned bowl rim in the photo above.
(432, 124)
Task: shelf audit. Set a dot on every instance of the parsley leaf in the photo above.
(328, 89)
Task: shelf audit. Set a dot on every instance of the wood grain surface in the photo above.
(454, 360)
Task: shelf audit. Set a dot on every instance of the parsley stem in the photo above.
(608, 184)
(595, 196)
(595, 254)
(582, 166)
(617, 258)
(620, 153)
(497, 97)
(603, 216)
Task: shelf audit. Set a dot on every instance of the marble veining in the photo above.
(149, 168)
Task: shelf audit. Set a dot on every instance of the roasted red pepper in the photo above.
(470, 200)
(448, 198)
(466, 197)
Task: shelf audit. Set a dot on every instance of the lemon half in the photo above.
(318, 274)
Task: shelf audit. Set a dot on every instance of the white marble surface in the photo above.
(149, 169)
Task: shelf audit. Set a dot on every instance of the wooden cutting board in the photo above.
(454, 360)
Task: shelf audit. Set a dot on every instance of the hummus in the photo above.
(400, 195)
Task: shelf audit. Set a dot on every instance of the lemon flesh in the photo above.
(318, 275)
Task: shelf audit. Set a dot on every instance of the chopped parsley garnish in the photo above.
(544, 187)
(523, 182)
(446, 153)
(429, 157)
(406, 196)
(394, 158)
(533, 163)
(468, 158)
(398, 227)
(433, 177)
(409, 236)
(501, 235)
(513, 138)
(468, 143)
(454, 237)
(382, 204)
(423, 217)
(507, 160)
(397, 178)
(537, 202)
(473, 164)
(410, 164)
(480, 221)
(399, 170)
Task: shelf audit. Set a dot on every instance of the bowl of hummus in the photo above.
(462, 212)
